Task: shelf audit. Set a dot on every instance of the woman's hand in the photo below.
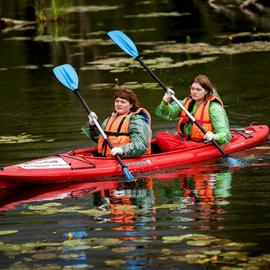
(209, 136)
(168, 95)
(91, 117)
(117, 151)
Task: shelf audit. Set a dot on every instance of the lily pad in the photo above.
(21, 138)
(44, 256)
(240, 244)
(95, 212)
(166, 206)
(124, 249)
(115, 263)
(43, 206)
(90, 8)
(200, 243)
(7, 232)
(173, 239)
(262, 147)
(158, 14)
(207, 49)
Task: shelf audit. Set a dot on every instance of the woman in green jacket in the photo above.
(205, 106)
(128, 128)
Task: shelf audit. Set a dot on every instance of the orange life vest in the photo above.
(202, 117)
(116, 130)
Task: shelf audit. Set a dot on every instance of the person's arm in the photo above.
(168, 111)
(140, 135)
(92, 132)
(220, 123)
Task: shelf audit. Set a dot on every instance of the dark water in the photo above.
(205, 217)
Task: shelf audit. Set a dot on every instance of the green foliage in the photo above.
(55, 12)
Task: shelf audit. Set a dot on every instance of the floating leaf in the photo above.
(73, 209)
(91, 8)
(44, 256)
(167, 251)
(158, 15)
(234, 256)
(165, 206)
(200, 243)
(212, 252)
(207, 49)
(99, 247)
(21, 138)
(6, 232)
(173, 239)
(240, 244)
(44, 206)
(70, 256)
(196, 258)
(124, 249)
(125, 208)
(95, 212)
(262, 147)
(115, 263)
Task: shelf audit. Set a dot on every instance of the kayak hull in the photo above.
(82, 165)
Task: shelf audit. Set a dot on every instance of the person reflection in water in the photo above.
(130, 207)
(207, 188)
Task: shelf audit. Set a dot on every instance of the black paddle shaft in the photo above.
(151, 73)
(77, 93)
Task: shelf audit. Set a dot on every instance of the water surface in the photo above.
(215, 217)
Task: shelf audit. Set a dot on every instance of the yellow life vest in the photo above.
(116, 130)
(202, 117)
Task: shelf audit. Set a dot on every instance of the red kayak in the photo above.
(85, 165)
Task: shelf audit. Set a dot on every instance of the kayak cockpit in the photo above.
(92, 151)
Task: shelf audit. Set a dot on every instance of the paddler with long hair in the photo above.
(205, 105)
(128, 128)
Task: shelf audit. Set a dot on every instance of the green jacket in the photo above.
(140, 135)
(171, 111)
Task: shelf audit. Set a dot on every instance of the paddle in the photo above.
(127, 45)
(67, 75)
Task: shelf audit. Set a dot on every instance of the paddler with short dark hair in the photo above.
(128, 128)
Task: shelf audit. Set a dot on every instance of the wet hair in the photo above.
(205, 83)
(129, 95)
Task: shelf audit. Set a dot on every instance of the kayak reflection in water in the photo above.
(128, 128)
(205, 105)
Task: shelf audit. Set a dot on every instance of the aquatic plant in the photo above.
(55, 12)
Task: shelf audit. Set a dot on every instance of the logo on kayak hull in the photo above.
(140, 163)
(50, 163)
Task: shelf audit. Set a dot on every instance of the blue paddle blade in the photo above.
(128, 174)
(234, 162)
(67, 75)
(124, 42)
